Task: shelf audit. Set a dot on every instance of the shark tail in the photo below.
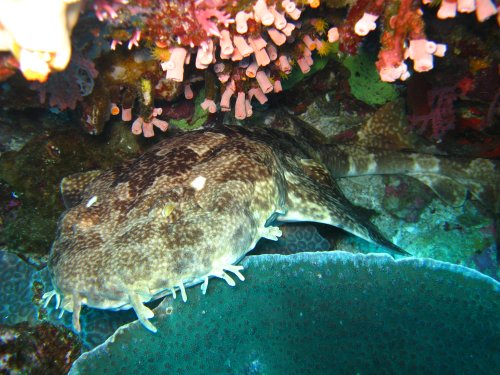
(450, 178)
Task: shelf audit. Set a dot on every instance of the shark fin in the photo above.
(308, 200)
(448, 190)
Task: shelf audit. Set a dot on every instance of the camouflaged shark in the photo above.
(192, 206)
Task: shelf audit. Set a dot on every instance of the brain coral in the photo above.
(17, 282)
(319, 313)
(15, 290)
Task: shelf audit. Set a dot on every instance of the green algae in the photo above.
(197, 120)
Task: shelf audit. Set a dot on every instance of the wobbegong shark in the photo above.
(192, 206)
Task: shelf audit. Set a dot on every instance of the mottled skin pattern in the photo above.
(189, 209)
(450, 178)
(151, 229)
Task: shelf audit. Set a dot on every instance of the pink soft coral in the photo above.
(105, 9)
(441, 117)
(208, 13)
(65, 89)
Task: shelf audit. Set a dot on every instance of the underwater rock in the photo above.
(436, 233)
(40, 349)
(317, 313)
(404, 199)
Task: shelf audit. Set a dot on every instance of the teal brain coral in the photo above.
(15, 290)
(319, 313)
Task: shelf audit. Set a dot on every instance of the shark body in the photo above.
(192, 206)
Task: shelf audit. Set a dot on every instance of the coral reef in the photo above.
(242, 51)
(16, 303)
(294, 311)
(178, 64)
(39, 349)
(33, 175)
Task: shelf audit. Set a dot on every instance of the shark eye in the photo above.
(167, 210)
(163, 207)
(164, 211)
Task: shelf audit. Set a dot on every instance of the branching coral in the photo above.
(441, 116)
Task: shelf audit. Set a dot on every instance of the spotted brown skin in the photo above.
(189, 209)
(185, 210)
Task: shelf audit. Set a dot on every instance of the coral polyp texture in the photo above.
(15, 292)
(403, 32)
(319, 313)
(242, 50)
